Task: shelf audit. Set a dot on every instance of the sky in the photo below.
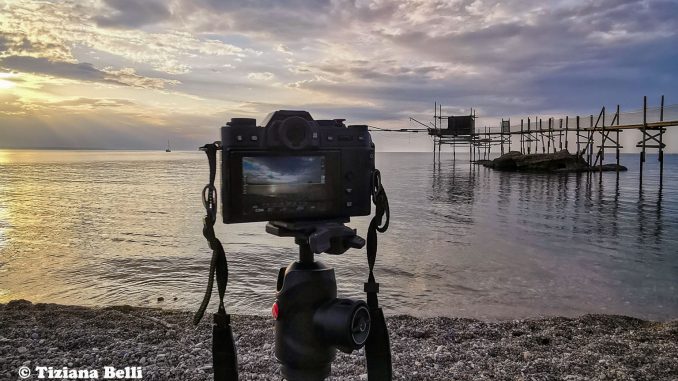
(123, 74)
(283, 170)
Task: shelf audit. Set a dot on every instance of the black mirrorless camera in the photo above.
(295, 168)
(307, 178)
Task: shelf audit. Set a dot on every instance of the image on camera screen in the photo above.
(275, 175)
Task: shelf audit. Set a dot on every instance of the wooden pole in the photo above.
(541, 133)
(548, 138)
(590, 142)
(529, 134)
(560, 135)
(642, 152)
(567, 126)
(617, 148)
(435, 128)
(522, 138)
(578, 142)
(501, 136)
(661, 145)
(602, 145)
(509, 134)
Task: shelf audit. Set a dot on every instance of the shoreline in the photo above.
(166, 345)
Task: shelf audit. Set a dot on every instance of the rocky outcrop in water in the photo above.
(562, 161)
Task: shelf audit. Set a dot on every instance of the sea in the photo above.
(100, 228)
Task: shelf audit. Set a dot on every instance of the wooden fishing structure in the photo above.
(594, 136)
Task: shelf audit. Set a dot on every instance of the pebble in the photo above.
(589, 347)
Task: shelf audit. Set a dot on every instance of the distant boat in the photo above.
(168, 147)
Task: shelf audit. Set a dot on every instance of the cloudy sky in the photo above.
(132, 74)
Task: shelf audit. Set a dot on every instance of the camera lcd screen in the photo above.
(273, 182)
(272, 185)
(284, 172)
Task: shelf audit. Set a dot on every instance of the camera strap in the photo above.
(378, 346)
(224, 357)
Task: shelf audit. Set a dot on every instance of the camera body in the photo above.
(295, 168)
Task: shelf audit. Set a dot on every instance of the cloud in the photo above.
(265, 76)
(82, 71)
(55, 30)
(371, 61)
(133, 14)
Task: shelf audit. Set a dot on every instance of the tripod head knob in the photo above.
(325, 236)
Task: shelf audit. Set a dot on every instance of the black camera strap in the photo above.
(224, 357)
(378, 346)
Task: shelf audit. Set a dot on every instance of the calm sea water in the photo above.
(104, 228)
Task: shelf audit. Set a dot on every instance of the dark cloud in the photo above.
(279, 20)
(82, 71)
(133, 13)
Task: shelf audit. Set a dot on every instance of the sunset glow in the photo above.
(126, 74)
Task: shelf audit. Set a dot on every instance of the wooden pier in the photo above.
(594, 136)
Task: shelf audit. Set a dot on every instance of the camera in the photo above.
(295, 168)
(307, 178)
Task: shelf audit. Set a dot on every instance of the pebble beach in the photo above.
(165, 345)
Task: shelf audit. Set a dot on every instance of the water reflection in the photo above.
(125, 227)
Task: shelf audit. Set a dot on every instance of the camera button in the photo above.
(361, 138)
(330, 138)
(315, 135)
(349, 203)
(238, 138)
(254, 138)
(349, 190)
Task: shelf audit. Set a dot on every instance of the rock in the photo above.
(35, 336)
(609, 168)
(507, 162)
(161, 299)
(561, 161)
(22, 349)
(589, 347)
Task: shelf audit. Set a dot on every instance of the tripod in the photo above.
(311, 322)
